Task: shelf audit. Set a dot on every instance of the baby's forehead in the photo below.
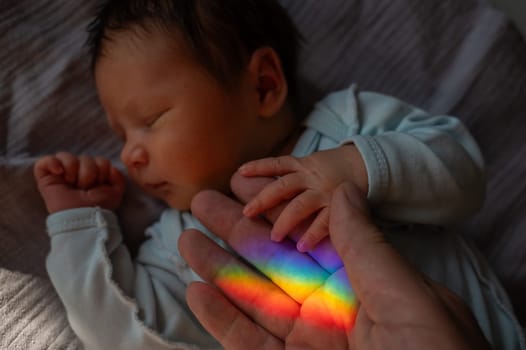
(152, 46)
(221, 35)
(142, 33)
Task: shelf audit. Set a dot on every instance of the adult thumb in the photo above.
(370, 262)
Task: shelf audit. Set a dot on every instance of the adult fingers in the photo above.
(259, 298)
(333, 305)
(245, 188)
(225, 322)
(217, 212)
(378, 274)
(325, 254)
(296, 273)
(327, 316)
(461, 316)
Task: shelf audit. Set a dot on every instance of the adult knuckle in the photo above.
(282, 183)
(281, 162)
(277, 163)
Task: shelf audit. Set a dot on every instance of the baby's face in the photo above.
(182, 131)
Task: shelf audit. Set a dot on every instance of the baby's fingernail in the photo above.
(274, 236)
(302, 246)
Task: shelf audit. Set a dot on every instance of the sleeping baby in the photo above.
(200, 90)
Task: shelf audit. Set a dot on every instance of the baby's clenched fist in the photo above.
(67, 181)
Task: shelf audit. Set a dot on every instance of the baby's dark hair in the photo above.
(222, 34)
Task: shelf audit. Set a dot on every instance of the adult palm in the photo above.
(398, 309)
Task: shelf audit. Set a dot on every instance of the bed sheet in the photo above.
(457, 57)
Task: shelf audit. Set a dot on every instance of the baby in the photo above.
(198, 90)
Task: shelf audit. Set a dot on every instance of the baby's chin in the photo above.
(182, 200)
(181, 204)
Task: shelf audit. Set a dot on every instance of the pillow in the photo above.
(516, 10)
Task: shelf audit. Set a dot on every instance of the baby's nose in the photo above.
(134, 156)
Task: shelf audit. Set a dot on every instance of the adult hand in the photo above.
(399, 309)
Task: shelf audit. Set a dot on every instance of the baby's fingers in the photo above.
(318, 230)
(103, 170)
(107, 174)
(298, 210)
(87, 172)
(47, 165)
(282, 189)
(116, 179)
(108, 195)
(70, 163)
(274, 166)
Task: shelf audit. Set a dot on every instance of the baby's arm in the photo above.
(419, 168)
(116, 302)
(66, 181)
(112, 301)
(309, 183)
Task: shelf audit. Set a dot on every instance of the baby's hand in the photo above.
(66, 181)
(308, 183)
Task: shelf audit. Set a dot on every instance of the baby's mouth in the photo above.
(158, 185)
(157, 188)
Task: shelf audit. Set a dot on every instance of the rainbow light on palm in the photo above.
(326, 298)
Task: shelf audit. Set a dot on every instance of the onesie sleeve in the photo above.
(113, 302)
(421, 168)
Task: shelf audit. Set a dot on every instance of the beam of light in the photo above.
(326, 299)
(334, 305)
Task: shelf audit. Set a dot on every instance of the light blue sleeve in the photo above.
(113, 302)
(421, 168)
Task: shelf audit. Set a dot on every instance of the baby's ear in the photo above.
(268, 79)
